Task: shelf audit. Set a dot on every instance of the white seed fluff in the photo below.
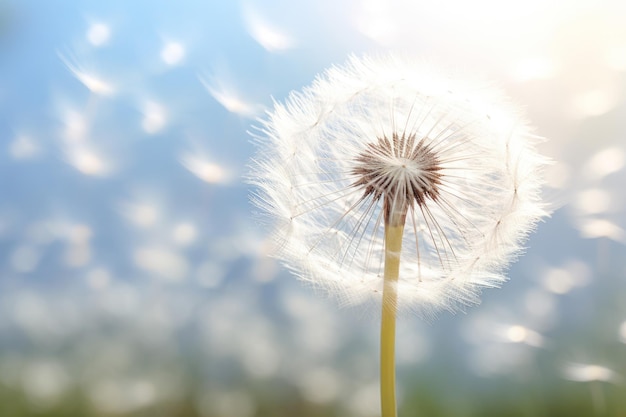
(385, 132)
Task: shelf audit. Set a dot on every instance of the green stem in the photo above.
(393, 245)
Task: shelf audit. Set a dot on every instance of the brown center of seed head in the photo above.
(402, 170)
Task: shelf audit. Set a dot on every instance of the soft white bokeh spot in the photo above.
(270, 37)
(162, 262)
(98, 34)
(590, 372)
(593, 201)
(24, 147)
(605, 162)
(155, 117)
(205, 169)
(173, 53)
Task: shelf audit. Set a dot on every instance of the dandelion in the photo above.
(387, 183)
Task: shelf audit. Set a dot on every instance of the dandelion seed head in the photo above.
(384, 136)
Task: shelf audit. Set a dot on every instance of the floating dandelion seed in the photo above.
(229, 98)
(389, 183)
(94, 83)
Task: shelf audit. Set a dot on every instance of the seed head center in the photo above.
(402, 170)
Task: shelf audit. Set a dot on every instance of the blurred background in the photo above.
(135, 282)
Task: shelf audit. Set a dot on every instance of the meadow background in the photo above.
(134, 280)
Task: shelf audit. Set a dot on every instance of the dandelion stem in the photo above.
(393, 244)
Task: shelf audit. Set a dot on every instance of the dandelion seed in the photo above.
(269, 37)
(229, 97)
(24, 147)
(386, 182)
(93, 82)
(205, 169)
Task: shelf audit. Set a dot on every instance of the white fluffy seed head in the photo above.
(385, 134)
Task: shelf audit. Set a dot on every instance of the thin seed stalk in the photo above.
(394, 228)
